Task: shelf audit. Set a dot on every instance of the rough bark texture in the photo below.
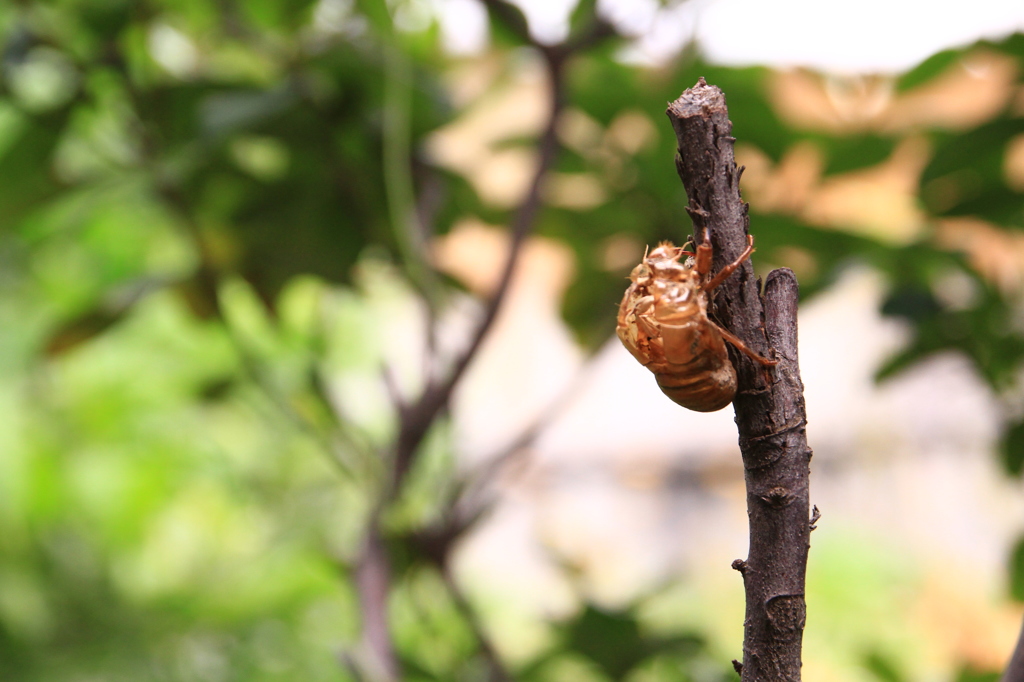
(769, 404)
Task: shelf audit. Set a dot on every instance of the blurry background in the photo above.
(245, 245)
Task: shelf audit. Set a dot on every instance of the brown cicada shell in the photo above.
(663, 322)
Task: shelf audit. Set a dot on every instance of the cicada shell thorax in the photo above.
(663, 322)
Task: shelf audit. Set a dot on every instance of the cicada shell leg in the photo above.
(743, 348)
(731, 267)
(703, 256)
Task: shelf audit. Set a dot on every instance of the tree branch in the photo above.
(417, 418)
(770, 413)
(373, 582)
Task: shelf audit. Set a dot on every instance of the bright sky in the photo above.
(875, 35)
(869, 35)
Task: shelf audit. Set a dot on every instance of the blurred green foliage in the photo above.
(203, 239)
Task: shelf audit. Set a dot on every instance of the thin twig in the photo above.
(419, 416)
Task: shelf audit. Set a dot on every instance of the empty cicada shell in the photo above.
(663, 321)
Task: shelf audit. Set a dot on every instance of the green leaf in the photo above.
(966, 176)
(222, 113)
(376, 11)
(582, 17)
(914, 303)
(612, 640)
(1017, 571)
(1011, 449)
(882, 667)
(930, 68)
(508, 24)
(25, 165)
(1013, 45)
(971, 674)
(75, 332)
(615, 642)
(844, 154)
(275, 15)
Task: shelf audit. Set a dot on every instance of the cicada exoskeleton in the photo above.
(663, 321)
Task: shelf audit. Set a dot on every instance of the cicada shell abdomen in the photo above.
(663, 322)
(697, 373)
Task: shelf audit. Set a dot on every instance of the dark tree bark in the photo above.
(769, 403)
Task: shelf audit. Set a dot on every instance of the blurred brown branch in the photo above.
(416, 417)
